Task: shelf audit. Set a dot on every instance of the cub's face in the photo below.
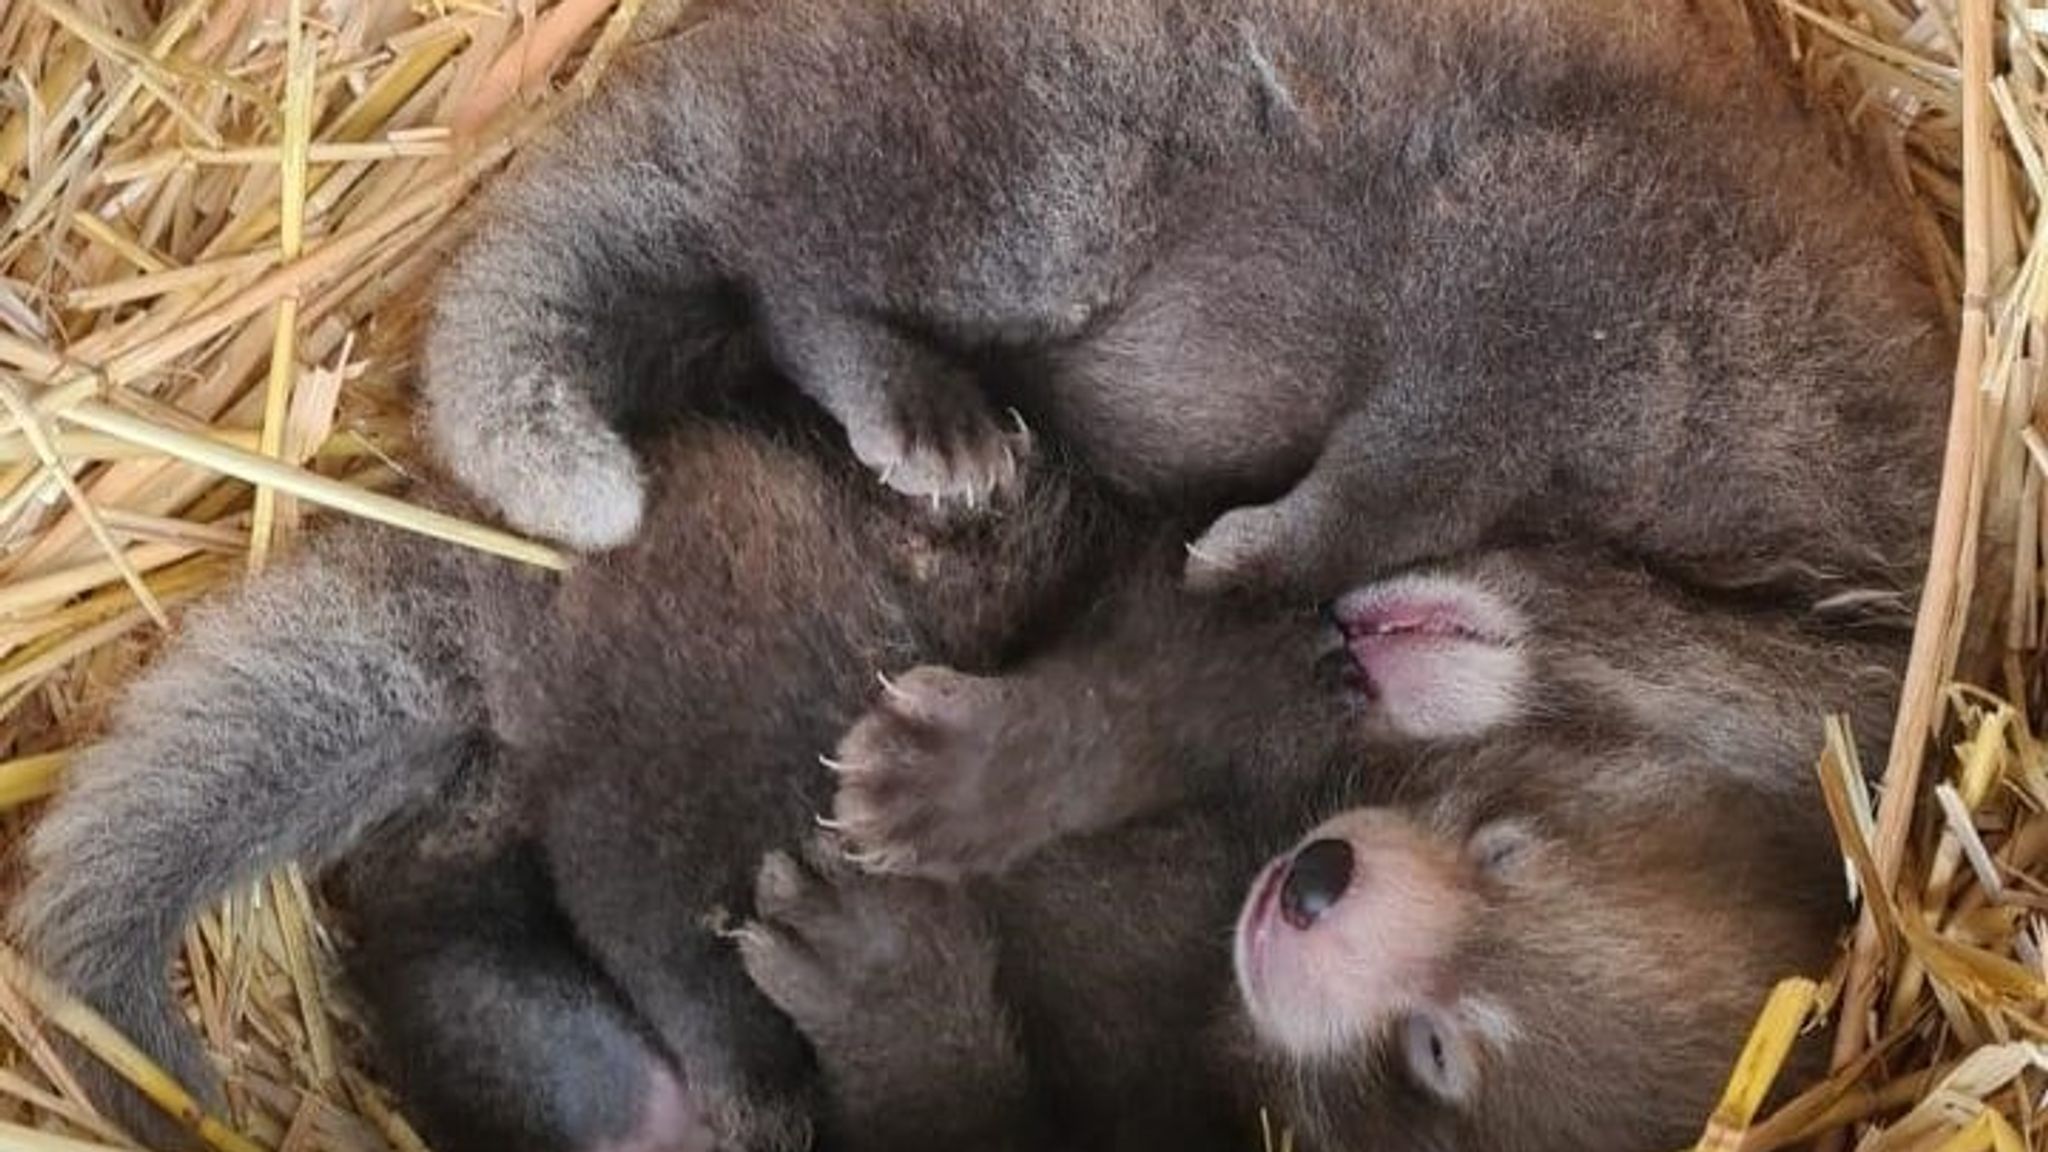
(1560, 945)
(1461, 976)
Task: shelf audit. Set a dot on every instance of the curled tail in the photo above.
(587, 291)
(287, 721)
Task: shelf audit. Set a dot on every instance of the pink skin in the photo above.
(1381, 950)
(1256, 926)
(1437, 656)
(669, 1121)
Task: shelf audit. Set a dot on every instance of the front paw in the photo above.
(940, 443)
(853, 958)
(925, 785)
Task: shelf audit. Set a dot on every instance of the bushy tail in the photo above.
(290, 718)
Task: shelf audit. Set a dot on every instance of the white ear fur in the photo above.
(1499, 846)
(1442, 656)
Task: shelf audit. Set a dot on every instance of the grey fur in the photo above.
(1437, 272)
(670, 710)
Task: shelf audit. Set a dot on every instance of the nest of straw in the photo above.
(219, 216)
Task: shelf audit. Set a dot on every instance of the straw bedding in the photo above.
(218, 219)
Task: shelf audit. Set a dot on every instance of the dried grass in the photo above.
(1939, 1008)
(216, 211)
(219, 213)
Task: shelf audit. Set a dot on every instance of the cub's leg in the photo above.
(894, 984)
(1175, 697)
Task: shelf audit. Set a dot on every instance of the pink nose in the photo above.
(1316, 879)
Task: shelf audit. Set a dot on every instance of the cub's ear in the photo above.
(1500, 847)
(1437, 655)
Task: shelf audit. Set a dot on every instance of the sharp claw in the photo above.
(836, 767)
(827, 845)
(889, 686)
(747, 933)
(829, 824)
(721, 922)
(881, 860)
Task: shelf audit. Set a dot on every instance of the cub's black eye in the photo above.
(1316, 879)
(1438, 1053)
